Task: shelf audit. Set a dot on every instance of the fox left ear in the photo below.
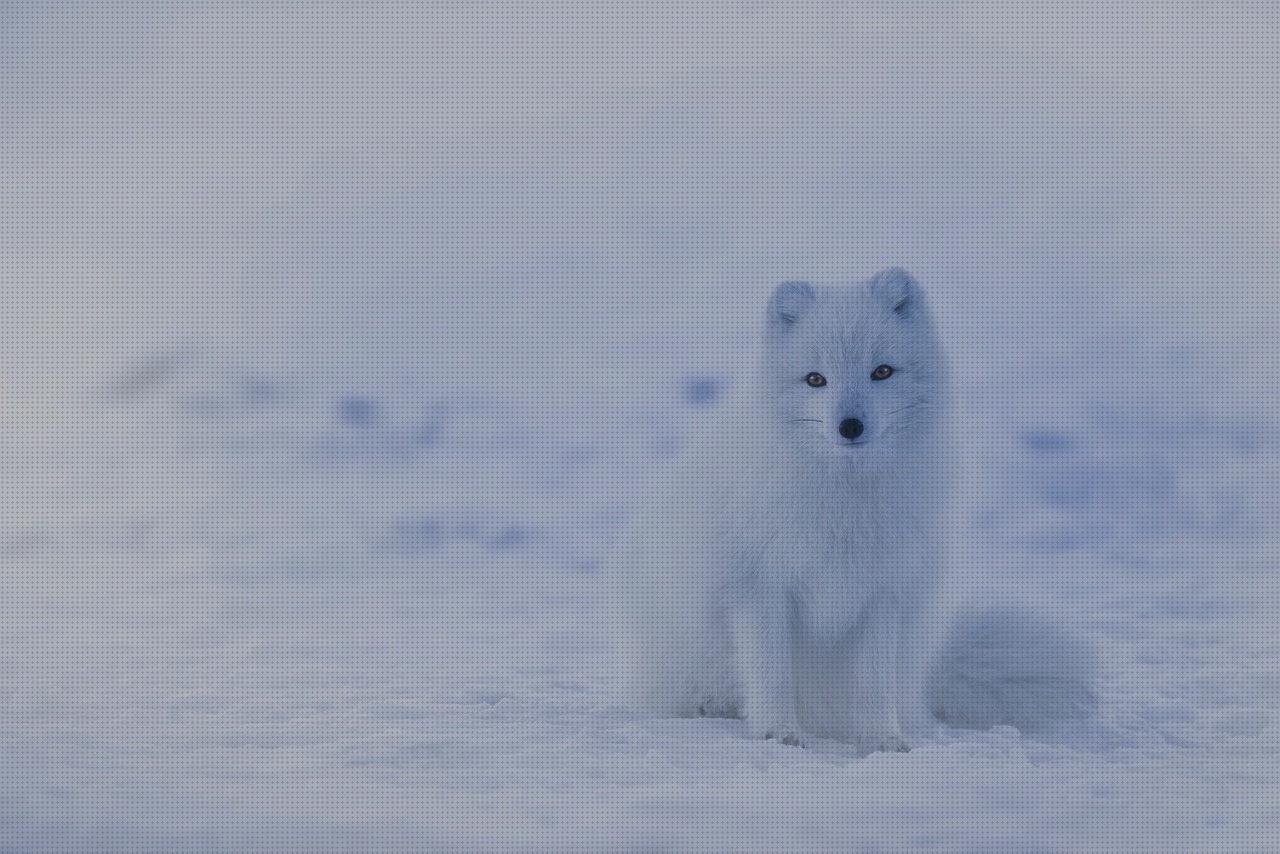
(789, 303)
(896, 290)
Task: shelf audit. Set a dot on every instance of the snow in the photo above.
(329, 381)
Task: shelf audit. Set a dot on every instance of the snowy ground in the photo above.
(333, 347)
(383, 630)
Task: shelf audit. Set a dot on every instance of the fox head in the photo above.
(854, 375)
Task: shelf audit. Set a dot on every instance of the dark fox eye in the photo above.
(816, 380)
(882, 373)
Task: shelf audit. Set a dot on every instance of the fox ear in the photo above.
(896, 290)
(789, 303)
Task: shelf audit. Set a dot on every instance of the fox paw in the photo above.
(786, 735)
(868, 744)
(717, 709)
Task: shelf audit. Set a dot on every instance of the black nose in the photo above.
(851, 428)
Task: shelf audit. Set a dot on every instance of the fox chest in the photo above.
(831, 577)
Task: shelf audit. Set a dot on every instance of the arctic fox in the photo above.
(790, 572)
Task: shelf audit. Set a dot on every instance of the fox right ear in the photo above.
(789, 303)
(896, 289)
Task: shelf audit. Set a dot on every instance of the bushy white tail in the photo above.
(1008, 665)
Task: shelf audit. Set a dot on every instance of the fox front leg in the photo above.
(762, 635)
(878, 681)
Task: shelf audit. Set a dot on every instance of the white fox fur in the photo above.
(790, 575)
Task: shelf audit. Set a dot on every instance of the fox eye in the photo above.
(882, 373)
(816, 380)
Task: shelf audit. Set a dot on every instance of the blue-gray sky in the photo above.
(503, 192)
